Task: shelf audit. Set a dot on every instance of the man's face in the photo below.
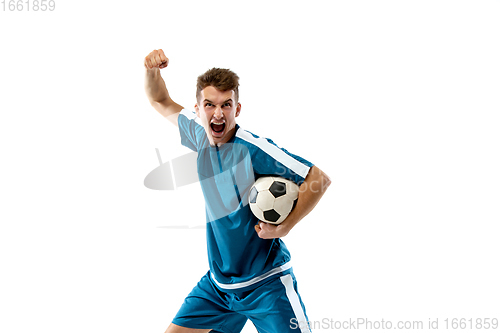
(218, 111)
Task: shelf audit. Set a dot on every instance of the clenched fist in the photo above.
(156, 59)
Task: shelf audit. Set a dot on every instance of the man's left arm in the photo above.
(310, 192)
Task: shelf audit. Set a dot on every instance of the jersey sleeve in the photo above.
(270, 160)
(278, 161)
(190, 129)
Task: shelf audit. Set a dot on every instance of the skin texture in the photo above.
(155, 87)
(179, 329)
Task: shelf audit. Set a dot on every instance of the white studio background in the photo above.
(397, 101)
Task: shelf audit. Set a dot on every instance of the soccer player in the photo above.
(250, 275)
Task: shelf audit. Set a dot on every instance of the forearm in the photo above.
(158, 96)
(310, 193)
(155, 87)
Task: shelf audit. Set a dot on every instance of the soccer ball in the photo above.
(271, 199)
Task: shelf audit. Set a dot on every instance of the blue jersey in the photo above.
(238, 257)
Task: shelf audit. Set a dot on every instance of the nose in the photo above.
(218, 113)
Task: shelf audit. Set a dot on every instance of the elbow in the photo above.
(326, 182)
(321, 180)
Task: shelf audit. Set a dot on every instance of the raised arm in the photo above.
(155, 87)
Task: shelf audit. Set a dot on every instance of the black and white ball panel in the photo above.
(271, 199)
(265, 200)
(252, 197)
(272, 216)
(278, 188)
(263, 183)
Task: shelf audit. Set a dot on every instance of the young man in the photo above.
(250, 275)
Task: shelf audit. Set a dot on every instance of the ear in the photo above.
(197, 109)
(238, 109)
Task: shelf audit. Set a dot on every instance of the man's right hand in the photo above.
(156, 59)
(155, 87)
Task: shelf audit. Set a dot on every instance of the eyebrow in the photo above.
(209, 101)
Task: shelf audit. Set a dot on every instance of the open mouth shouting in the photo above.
(218, 127)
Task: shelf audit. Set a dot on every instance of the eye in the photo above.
(227, 104)
(208, 104)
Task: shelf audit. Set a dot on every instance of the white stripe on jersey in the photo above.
(295, 303)
(191, 115)
(276, 153)
(259, 278)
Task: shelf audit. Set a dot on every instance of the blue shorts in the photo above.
(273, 307)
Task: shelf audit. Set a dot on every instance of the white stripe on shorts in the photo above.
(295, 303)
(259, 278)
